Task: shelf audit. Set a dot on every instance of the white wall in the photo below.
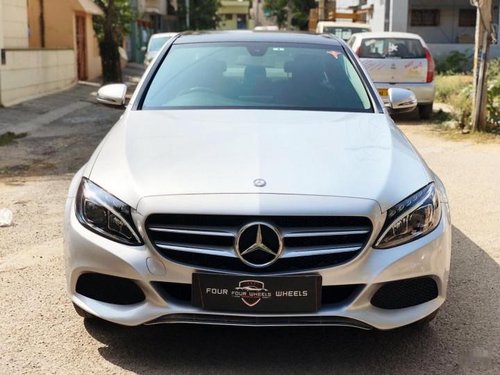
(378, 18)
(28, 74)
(398, 15)
(440, 51)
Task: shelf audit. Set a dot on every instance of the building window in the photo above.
(425, 17)
(467, 18)
(228, 17)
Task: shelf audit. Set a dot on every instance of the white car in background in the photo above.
(398, 60)
(156, 42)
(342, 30)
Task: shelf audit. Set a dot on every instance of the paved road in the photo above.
(40, 333)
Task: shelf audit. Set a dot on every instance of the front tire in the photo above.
(425, 111)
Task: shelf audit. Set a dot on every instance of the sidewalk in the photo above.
(63, 129)
(34, 114)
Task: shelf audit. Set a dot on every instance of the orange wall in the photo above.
(60, 30)
(94, 68)
(59, 24)
(35, 40)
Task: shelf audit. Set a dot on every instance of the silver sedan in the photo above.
(257, 179)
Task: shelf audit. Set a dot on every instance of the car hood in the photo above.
(177, 152)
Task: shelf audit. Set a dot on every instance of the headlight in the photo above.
(105, 214)
(410, 219)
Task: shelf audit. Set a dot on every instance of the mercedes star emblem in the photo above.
(259, 182)
(258, 244)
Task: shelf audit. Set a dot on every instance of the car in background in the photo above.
(396, 59)
(154, 46)
(266, 28)
(256, 178)
(342, 30)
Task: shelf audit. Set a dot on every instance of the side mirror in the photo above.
(144, 49)
(401, 101)
(112, 95)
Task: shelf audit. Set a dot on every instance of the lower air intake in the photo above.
(405, 293)
(109, 289)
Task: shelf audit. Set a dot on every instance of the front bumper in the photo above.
(87, 252)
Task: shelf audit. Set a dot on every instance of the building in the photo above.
(260, 16)
(153, 16)
(45, 46)
(233, 14)
(446, 25)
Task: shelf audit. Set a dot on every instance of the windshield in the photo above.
(155, 44)
(343, 32)
(257, 75)
(380, 48)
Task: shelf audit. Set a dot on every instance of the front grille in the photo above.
(405, 293)
(207, 241)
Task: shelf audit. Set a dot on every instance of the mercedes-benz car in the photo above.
(257, 178)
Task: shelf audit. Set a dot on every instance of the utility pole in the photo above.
(289, 15)
(188, 26)
(481, 48)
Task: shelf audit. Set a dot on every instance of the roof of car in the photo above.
(387, 34)
(162, 35)
(335, 23)
(255, 36)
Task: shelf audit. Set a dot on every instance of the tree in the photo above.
(202, 14)
(300, 11)
(110, 30)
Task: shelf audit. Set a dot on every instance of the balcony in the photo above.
(155, 6)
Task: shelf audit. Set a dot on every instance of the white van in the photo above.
(343, 30)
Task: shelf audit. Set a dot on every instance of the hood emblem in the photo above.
(260, 182)
(258, 245)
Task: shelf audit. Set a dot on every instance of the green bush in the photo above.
(456, 91)
(493, 85)
(454, 63)
(449, 85)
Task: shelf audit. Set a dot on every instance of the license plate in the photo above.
(266, 294)
(383, 92)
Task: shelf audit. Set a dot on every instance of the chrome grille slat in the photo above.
(200, 232)
(207, 241)
(293, 233)
(227, 252)
(302, 252)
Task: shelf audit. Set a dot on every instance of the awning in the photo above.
(87, 6)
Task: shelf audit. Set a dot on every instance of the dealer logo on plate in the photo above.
(251, 292)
